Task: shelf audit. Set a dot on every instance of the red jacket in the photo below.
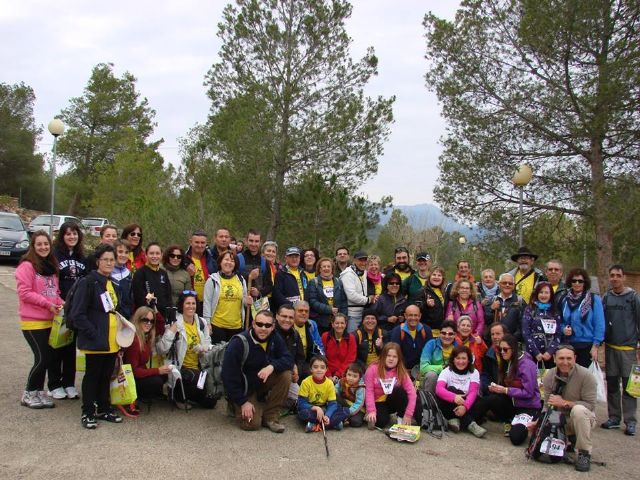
(138, 359)
(339, 354)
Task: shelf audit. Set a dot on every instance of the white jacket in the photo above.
(212, 295)
(355, 288)
(166, 341)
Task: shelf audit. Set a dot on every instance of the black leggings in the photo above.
(38, 340)
(504, 411)
(447, 410)
(191, 390)
(397, 403)
(95, 384)
(62, 369)
(150, 387)
(223, 334)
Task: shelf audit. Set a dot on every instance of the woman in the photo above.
(179, 278)
(436, 354)
(463, 302)
(39, 301)
(391, 303)
(582, 317)
(123, 278)
(339, 347)
(69, 252)
(132, 233)
(541, 325)
(457, 390)
(151, 286)
(389, 389)
(433, 301)
(326, 295)
(269, 251)
(310, 258)
(374, 276)
(181, 344)
(515, 394)
(93, 309)
(475, 343)
(225, 299)
(369, 339)
(149, 380)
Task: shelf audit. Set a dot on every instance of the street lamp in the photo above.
(520, 179)
(462, 240)
(56, 128)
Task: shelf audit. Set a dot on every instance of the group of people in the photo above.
(348, 340)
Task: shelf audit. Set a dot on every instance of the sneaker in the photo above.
(89, 422)
(110, 416)
(631, 429)
(57, 393)
(31, 400)
(454, 425)
(610, 424)
(45, 400)
(476, 430)
(339, 426)
(506, 427)
(274, 426)
(310, 427)
(583, 461)
(71, 392)
(182, 405)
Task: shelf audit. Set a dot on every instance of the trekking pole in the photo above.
(324, 434)
(247, 314)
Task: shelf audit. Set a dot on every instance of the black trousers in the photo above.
(191, 390)
(95, 384)
(38, 340)
(447, 411)
(397, 403)
(62, 367)
(223, 334)
(148, 388)
(504, 411)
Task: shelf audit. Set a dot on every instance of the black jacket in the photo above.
(296, 350)
(72, 268)
(362, 343)
(432, 317)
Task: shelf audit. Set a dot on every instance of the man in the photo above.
(575, 398)
(412, 336)
(291, 281)
(507, 307)
(622, 337)
(463, 272)
(525, 275)
(284, 327)
(553, 272)
(491, 362)
(413, 285)
(354, 282)
(108, 236)
(200, 264)
(257, 387)
(309, 336)
(222, 240)
(254, 268)
(401, 267)
(342, 260)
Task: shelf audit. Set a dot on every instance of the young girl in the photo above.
(340, 347)
(388, 389)
(350, 394)
(317, 399)
(456, 391)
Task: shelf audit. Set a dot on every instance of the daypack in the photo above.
(423, 332)
(211, 362)
(548, 442)
(433, 420)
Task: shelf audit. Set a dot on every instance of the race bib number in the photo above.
(553, 446)
(107, 302)
(522, 419)
(549, 325)
(294, 300)
(387, 385)
(328, 292)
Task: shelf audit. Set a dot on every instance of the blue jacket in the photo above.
(241, 382)
(318, 303)
(584, 330)
(411, 347)
(490, 371)
(431, 358)
(286, 286)
(387, 306)
(212, 265)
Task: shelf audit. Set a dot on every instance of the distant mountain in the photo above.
(426, 215)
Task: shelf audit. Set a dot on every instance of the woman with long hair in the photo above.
(464, 302)
(391, 303)
(542, 325)
(132, 233)
(39, 301)
(434, 301)
(172, 261)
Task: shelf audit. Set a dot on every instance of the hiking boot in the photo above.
(89, 422)
(274, 426)
(631, 429)
(454, 425)
(583, 461)
(476, 430)
(339, 426)
(110, 416)
(31, 400)
(58, 393)
(610, 424)
(506, 427)
(71, 392)
(45, 400)
(309, 427)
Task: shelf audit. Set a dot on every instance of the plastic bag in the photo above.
(601, 390)
(404, 433)
(633, 384)
(81, 361)
(123, 386)
(60, 335)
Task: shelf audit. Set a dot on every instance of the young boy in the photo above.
(317, 399)
(350, 394)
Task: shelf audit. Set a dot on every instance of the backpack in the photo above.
(433, 420)
(423, 332)
(212, 364)
(548, 442)
(69, 319)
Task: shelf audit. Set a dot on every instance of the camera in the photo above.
(170, 315)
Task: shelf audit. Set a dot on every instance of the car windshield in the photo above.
(11, 223)
(45, 220)
(92, 222)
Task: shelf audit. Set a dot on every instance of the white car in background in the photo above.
(93, 225)
(43, 222)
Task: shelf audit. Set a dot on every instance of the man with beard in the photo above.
(401, 267)
(525, 275)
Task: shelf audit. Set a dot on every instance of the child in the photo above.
(122, 277)
(350, 394)
(317, 399)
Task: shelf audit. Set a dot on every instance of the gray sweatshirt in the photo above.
(622, 318)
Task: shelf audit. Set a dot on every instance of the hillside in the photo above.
(426, 215)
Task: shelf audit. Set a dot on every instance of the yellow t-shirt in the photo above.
(318, 394)
(228, 312)
(372, 354)
(263, 345)
(303, 335)
(193, 338)
(377, 288)
(296, 273)
(310, 275)
(113, 324)
(198, 278)
(423, 281)
(525, 287)
(327, 287)
(413, 333)
(402, 274)
(438, 292)
(446, 353)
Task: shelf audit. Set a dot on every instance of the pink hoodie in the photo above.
(36, 293)
(373, 388)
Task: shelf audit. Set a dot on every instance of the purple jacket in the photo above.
(527, 396)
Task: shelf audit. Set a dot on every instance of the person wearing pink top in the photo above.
(39, 301)
(457, 390)
(464, 302)
(389, 389)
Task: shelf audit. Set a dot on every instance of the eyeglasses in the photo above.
(504, 349)
(135, 234)
(506, 283)
(447, 334)
(263, 325)
(173, 255)
(189, 292)
(577, 280)
(107, 260)
(553, 269)
(309, 255)
(393, 284)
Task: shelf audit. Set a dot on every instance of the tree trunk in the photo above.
(604, 236)
(74, 205)
(278, 192)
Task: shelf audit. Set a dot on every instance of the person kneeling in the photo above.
(350, 394)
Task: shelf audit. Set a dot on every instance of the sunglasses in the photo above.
(447, 334)
(393, 284)
(147, 321)
(173, 255)
(263, 325)
(504, 349)
(189, 292)
(135, 234)
(577, 280)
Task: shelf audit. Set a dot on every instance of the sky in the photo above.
(169, 46)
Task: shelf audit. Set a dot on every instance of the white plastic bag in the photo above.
(601, 390)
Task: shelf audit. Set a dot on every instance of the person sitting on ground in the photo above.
(457, 390)
(516, 393)
(542, 325)
(369, 338)
(317, 399)
(257, 382)
(391, 304)
(433, 301)
(339, 346)
(350, 392)
(463, 302)
(474, 342)
(325, 295)
(435, 355)
(412, 336)
(389, 390)
(492, 363)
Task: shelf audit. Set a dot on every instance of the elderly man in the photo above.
(507, 307)
(309, 335)
(412, 336)
(354, 282)
(291, 281)
(525, 275)
(553, 271)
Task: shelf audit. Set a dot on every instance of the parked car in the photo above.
(42, 222)
(94, 225)
(14, 240)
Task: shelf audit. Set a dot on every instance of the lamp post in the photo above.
(520, 179)
(56, 128)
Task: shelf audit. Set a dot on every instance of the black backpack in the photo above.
(433, 420)
(548, 442)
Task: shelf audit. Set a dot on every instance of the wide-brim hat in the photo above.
(523, 252)
(125, 333)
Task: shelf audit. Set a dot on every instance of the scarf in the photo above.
(377, 278)
(171, 268)
(543, 306)
(151, 267)
(47, 268)
(489, 292)
(583, 300)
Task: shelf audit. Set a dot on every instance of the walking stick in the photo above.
(324, 434)
(247, 314)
